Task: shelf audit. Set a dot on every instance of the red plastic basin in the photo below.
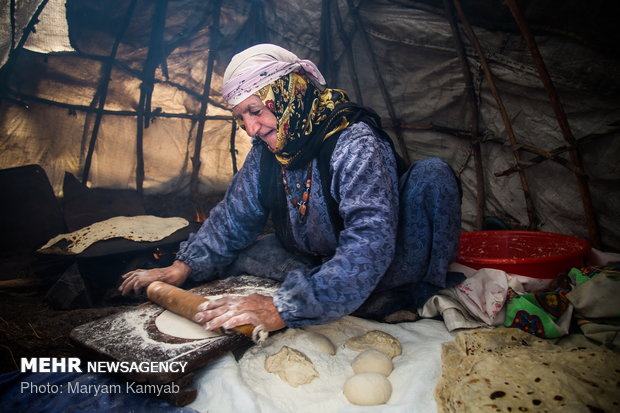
(532, 253)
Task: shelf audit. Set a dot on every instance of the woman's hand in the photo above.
(137, 280)
(234, 311)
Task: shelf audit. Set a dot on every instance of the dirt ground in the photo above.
(29, 327)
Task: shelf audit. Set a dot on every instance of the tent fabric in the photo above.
(414, 48)
(11, 30)
(52, 33)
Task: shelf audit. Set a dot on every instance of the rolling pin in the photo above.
(184, 303)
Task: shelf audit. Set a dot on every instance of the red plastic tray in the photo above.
(532, 253)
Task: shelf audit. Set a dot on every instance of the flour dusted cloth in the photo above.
(228, 386)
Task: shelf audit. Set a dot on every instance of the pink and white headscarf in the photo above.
(257, 66)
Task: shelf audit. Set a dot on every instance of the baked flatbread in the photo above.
(137, 228)
(508, 370)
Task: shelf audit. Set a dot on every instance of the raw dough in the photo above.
(368, 389)
(137, 228)
(372, 361)
(377, 340)
(177, 326)
(320, 342)
(293, 366)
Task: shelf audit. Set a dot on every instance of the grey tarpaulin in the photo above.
(413, 45)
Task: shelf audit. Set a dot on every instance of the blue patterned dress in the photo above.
(397, 242)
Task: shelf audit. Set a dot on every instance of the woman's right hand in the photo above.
(137, 280)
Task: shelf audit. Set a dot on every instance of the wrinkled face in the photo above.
(257, 120)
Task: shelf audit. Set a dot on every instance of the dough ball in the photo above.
(372, 361)
(377, 340)
(367, 389)
(293, 366)
(175, 325)
(320, 342)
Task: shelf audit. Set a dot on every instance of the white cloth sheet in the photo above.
(229, 387)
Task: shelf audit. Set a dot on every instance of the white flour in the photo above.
(333, 372)
(323, 394)
(112, 334)
(230, 387)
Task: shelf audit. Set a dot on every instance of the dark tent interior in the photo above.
(115, 108)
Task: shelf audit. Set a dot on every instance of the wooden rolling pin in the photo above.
(183, 303)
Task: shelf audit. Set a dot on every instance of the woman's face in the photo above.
(257, 120)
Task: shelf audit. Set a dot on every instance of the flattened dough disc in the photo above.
(177, 326)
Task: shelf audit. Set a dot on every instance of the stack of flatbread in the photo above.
(508, 370)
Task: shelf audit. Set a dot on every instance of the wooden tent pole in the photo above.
(153, 59)
(554, 155)
(560, 114)
(103, 89)
(204, 104)
(6, 70)
(30, 28)
(531, 213)
(386, 96)
(473, 122)
(233, 151)
(12, 23)
(255, 26)
(326, 60)
(132, 113)
(542, 156)
(348, 47)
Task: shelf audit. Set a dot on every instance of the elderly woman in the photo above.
(354, 233)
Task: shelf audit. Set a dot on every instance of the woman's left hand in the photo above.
(234, 311)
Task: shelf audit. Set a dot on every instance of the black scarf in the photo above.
(271, 188)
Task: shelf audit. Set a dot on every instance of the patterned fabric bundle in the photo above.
(586, 274)
(545, 314)
(597, 308)
(589, 293)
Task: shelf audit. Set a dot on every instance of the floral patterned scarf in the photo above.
(303, 117)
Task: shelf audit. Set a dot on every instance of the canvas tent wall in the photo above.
(89, 112)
